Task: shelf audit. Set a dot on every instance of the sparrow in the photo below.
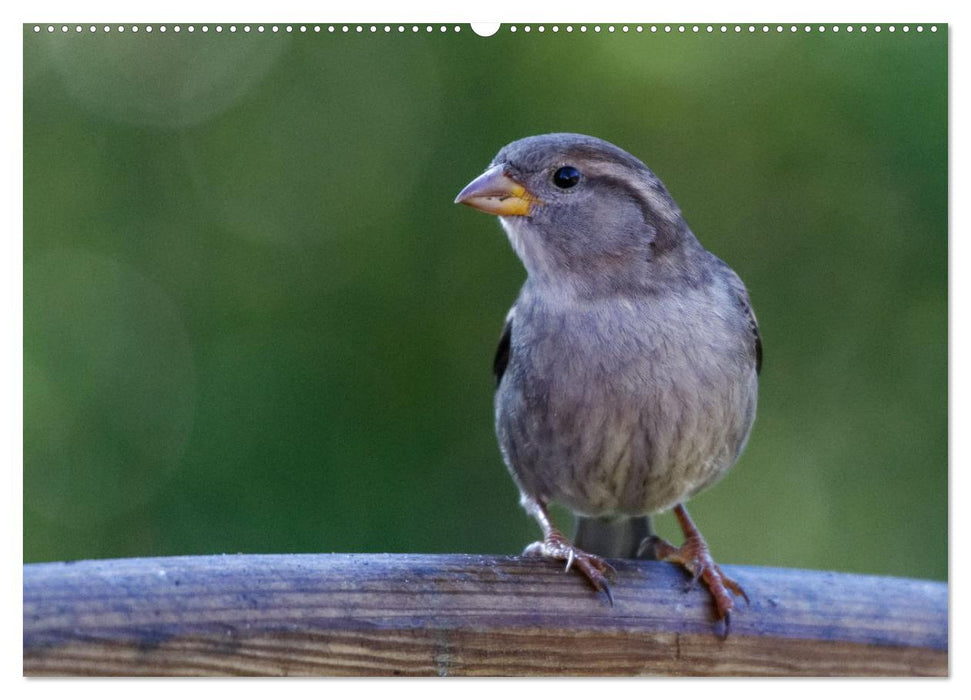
(627, 369)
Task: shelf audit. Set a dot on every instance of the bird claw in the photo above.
(694, 556)
(733, 586)
(727, 623)
(594, 568)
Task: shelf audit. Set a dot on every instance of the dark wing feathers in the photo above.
(741, 298)
(753, 324)
(758, 346)
(501, 360)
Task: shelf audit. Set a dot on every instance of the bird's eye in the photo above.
(566, 177)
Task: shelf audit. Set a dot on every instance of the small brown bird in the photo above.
(626, 374)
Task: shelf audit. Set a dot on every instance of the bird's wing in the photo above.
(754, 326)
(501, 360)
(742, 299)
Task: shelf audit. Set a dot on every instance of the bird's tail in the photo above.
(612, 537)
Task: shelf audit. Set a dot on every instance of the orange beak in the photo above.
(494, 192)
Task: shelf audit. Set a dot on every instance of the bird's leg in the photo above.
(556, 546)
(694, 556)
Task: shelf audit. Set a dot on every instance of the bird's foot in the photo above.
(594, 568)
(694, 556)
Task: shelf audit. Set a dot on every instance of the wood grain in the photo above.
(411, 614)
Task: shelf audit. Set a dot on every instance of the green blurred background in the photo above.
(255, 322)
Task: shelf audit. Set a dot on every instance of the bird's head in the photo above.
(578, 206)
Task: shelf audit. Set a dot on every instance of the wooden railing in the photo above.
(410, 614)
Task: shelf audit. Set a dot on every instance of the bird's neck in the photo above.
(632, 279)
(586, 273)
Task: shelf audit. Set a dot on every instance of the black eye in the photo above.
(566, 177)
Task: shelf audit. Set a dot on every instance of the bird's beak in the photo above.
(494, 192)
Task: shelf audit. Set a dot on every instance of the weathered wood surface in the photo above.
(408, 614)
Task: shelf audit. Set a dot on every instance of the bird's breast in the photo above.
(623, 407)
